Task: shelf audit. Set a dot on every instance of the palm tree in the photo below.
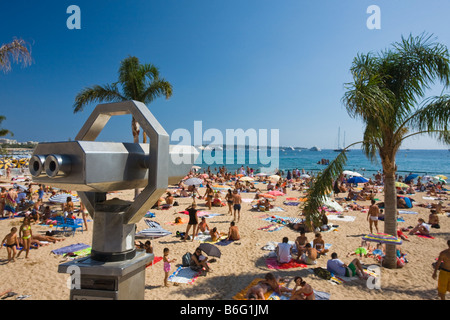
(140, 82)
(16, 51)
(4, 132)
(388, 95)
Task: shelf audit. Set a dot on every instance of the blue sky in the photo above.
(233, 64)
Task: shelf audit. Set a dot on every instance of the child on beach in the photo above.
(25, 233)
(11, 243)
(167, 263)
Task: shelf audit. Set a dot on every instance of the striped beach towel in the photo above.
(184, 275)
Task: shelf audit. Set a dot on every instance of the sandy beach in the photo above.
(241, 261)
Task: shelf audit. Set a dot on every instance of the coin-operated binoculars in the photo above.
(115, 269)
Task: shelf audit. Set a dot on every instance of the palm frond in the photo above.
(4, 132)
(322, 186)
(156, 89)
(18, 51)
(97, 93)
(433, 118)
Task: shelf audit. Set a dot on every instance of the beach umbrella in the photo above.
(400, 185)
(427, 178)
(441, 176)
(352, 173)
(305, 176)
(62, 198)
(382, 238)
(411, 177)
(438, 179)
(246, 179)
(357, 180)
(5, 163)
(261, 174)
(193, 182)
(24, 188)
(154, 231)
(333, 205)
(196, 167)
(275, 177)
(210, 249)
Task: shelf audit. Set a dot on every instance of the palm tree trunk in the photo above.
(390, 207)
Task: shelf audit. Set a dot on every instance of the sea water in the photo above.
(422, 162)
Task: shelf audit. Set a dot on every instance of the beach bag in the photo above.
(322, 273)
(186, 259)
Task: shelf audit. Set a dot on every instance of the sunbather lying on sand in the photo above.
(269, 283)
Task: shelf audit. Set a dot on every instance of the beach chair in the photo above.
(59, 222)
(72, 225)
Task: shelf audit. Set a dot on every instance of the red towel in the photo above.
(424, 236)
(272, 263)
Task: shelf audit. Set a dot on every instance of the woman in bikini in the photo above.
(305, 292)
(229, 198)
(68, 206)
(209, 195)
(25, 234)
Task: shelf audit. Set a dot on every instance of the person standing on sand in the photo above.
(10, 202)
(229, 198)
(25, 233)
(11, 242)
(372, 216)
(443, 265)
(237, 205)
(193, 221)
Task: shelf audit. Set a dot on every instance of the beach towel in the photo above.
(205, 214)
(407, 212)
(276, 209)
(272, 263)
(271, 228)
(155, 260)
(341, 218)
(70, 248)
(149, 215)
(224, 242)
(272, 245)
(291, 203)
(425, 236)
(319, 295)
(184, 275)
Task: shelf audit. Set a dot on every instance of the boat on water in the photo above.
(315, 148)
(339, 149)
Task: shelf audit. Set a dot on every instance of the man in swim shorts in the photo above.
(443, 265)
(337, 267)
(372, 216)
(237, 205)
